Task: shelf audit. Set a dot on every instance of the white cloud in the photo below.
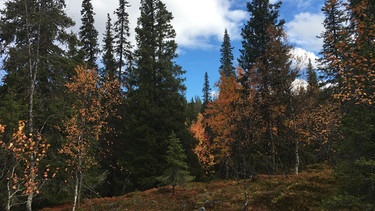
(195, 21)
(301, 58)
(304, 28)
(299, 84)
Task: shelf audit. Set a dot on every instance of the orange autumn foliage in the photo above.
(93, 102)
(357, 69)
(203, 149)
(221, 116)
(21, 148)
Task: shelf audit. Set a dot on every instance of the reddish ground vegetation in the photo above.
(277, 192)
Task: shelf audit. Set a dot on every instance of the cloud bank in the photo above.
(196, 22)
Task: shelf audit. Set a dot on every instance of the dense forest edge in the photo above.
(123, 136)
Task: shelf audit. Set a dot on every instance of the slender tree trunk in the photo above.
(32, 75)
(75, 202)
(121, 63)
(297, 157)
(78, 185)
(273, 151)
(11, 193)
(244, 184)
(295, 138)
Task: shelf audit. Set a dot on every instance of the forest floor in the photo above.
(306, 191)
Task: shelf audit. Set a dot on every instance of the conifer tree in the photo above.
(123, 46)
(108, 57)
(312, 79)
(332, 37)
(226, 59)
(266, 54)
(206, 91)
(74, 52)
(177, 172)
(254, 33)
(88, 34)
(155, 103)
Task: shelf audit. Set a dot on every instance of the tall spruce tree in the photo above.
(36, 69)
(156, 102)
(123, 46)
(108, 56)
(332, 37)
(206, 91)
(226, 59)
(254, 33)
(265, 55)
(88, 34)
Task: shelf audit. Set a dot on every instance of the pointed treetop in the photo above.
(226, 59)
(108, 57)
(206, 91)
(88, 34)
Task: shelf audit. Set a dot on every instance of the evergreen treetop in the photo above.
(332, 37)
(123, 47)
(108, 57)
(226, 59)
(88, 34)
(206, 91)
(254, 34)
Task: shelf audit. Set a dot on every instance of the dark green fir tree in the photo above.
(206, 91)
(123, 46)
(265, 55)
(332, 36)
(88, 34)
(226, 59)
(177, 170)
(254, 34)
(108, 51)
(156, 102)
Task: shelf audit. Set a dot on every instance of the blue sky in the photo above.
(200, 25)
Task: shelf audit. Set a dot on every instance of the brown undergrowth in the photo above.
(305, 191)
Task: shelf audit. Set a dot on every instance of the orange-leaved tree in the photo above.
(22, 173)
(93, 100)
(221, 118)
(203, 149)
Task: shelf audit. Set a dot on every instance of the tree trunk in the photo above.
(295, 137)
(244, 184)
(32, 77)
(75, 202)
(29, 201)
(11, 192)
(78, 185)
(297, 157)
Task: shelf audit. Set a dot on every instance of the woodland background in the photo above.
(71, 130)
